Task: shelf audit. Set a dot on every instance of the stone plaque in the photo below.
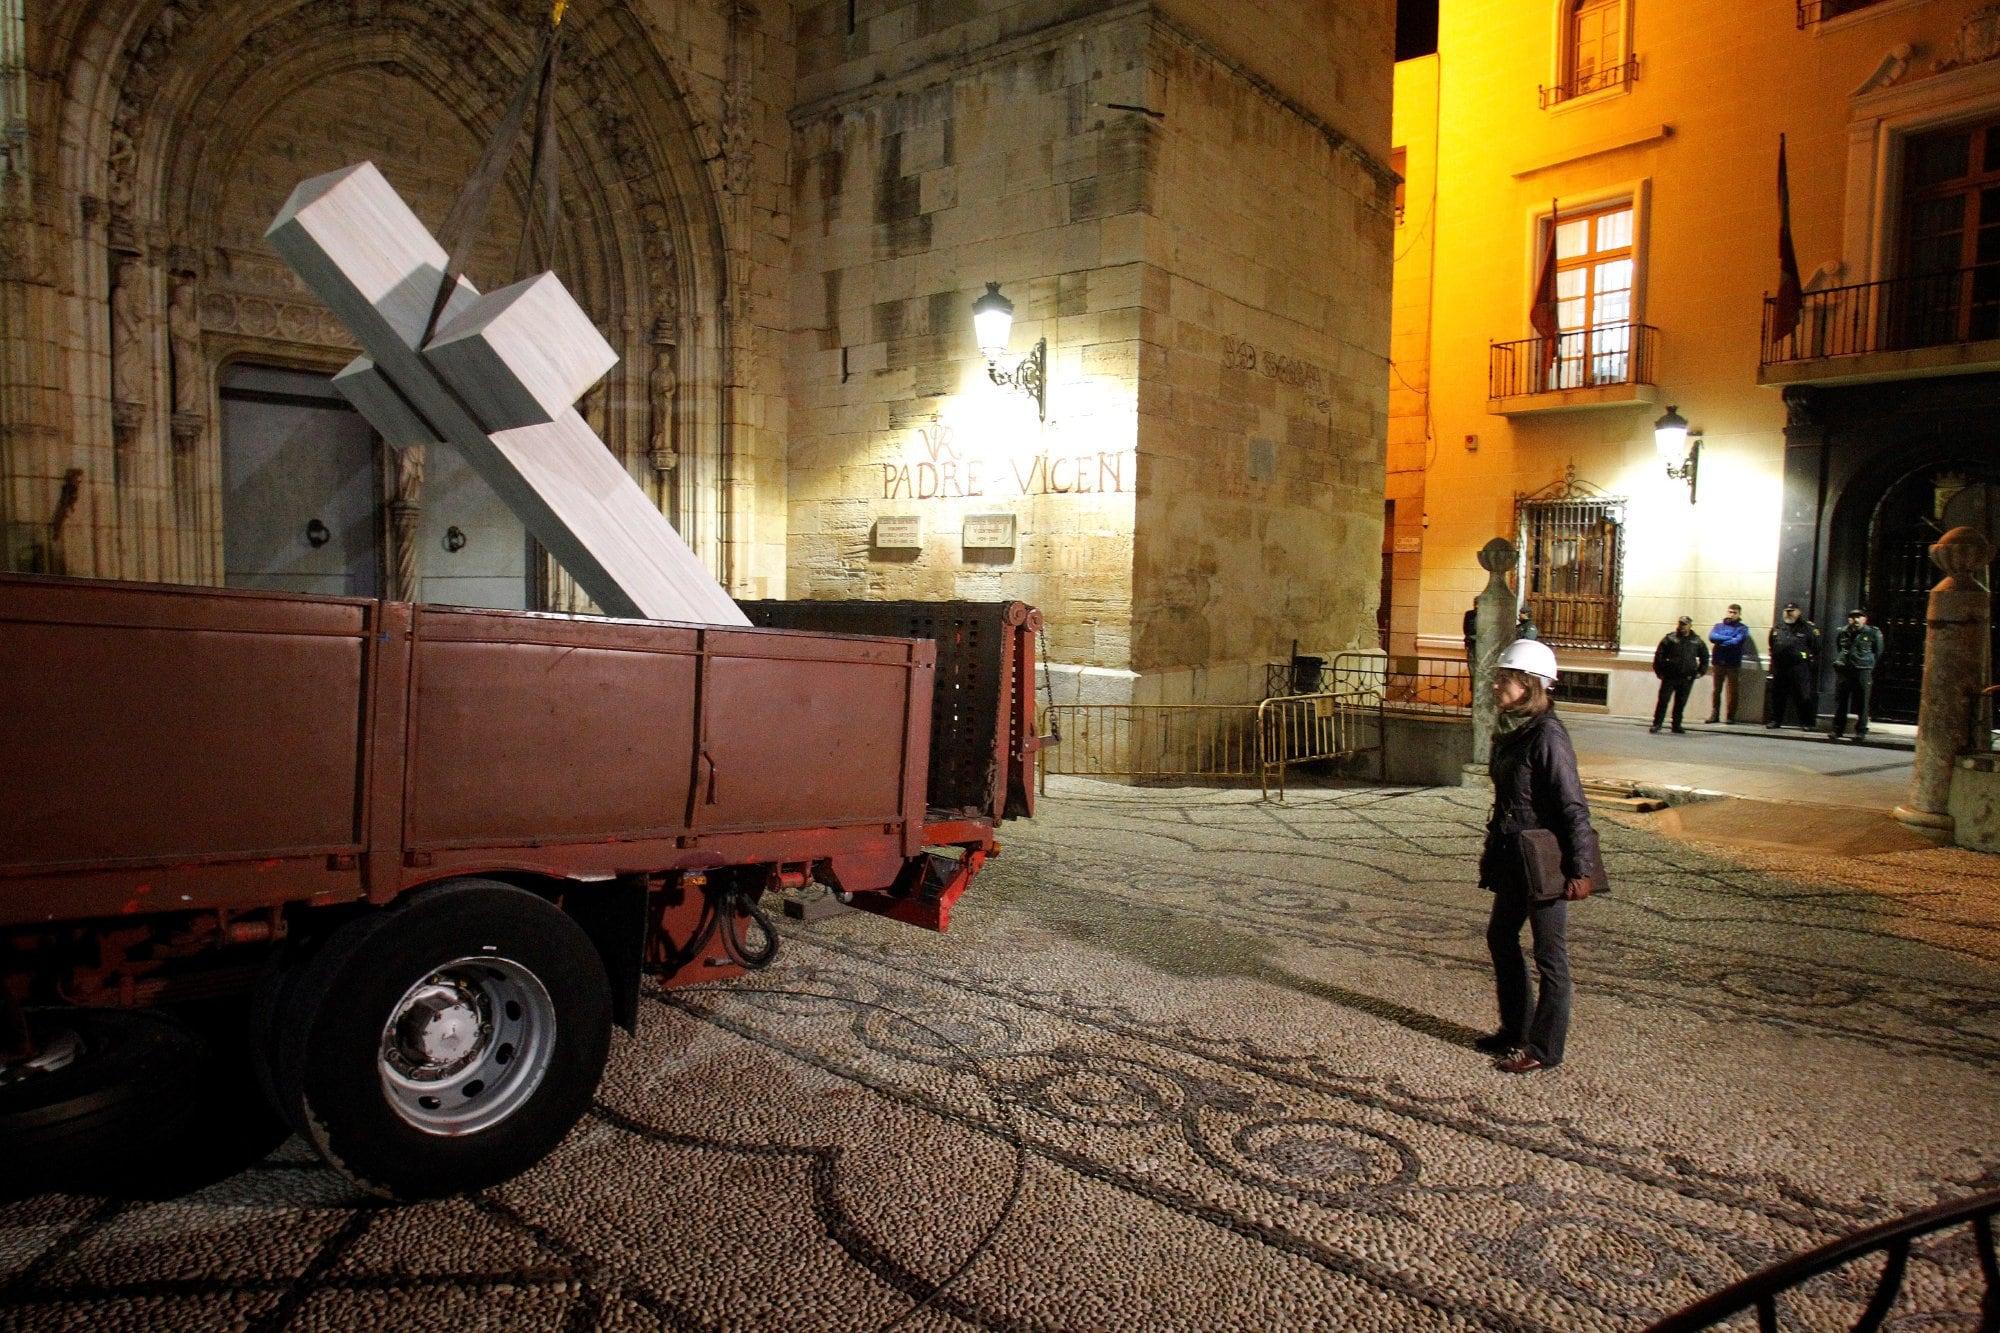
(989, 532)
(899, 532)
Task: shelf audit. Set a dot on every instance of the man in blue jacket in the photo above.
(1729, 636)
(1856, 649)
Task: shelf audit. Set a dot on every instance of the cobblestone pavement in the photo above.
(1185, 1060)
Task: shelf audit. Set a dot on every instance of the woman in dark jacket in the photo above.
(1534, 786)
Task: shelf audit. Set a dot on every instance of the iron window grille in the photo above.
(1572, 542)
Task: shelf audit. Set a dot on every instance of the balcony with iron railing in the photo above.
(1594, 79)
(1928, 324)
(1606, 366)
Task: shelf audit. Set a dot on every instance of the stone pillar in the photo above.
(405, 509)
(1955, 671)
(1497, 609)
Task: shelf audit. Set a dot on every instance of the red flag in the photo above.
(1786, 304)
(1542, 315)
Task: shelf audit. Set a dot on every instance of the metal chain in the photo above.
(1054, 736)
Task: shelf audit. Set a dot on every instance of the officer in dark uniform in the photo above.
(1794, 667)
(1857, 647)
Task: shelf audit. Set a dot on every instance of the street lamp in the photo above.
(1680, 448)
(992, 321)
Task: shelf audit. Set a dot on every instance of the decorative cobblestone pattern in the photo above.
(1185, 1060)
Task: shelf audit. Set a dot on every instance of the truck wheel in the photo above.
(112, 1090)
(445, 1043)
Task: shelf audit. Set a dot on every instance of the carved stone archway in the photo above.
(167, 120)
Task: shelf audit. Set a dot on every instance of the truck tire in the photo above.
(442, 1044)
(113, 1110)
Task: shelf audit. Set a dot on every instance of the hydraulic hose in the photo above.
(742, 900)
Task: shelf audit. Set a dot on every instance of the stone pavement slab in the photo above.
(1186, 1060)
(1787, 765)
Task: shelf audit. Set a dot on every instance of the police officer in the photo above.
(1857, 647)
(1794, 667)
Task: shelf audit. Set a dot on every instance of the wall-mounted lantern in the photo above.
(1680, 448)
(992, 321)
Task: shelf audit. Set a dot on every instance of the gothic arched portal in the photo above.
(184, 125)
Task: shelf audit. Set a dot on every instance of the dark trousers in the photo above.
(1724, 679)
(1676, 688)
(1852, 685)
(1791, 683)
(1546, 1031)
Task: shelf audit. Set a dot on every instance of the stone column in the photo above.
(405, 509)
(1497, 609)
(1955, 671)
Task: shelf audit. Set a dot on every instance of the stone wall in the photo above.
(1207, 260)
(910, 196)
(1263, 410)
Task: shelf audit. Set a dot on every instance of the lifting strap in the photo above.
(468, 212)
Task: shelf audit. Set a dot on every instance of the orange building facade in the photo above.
(1822, 457)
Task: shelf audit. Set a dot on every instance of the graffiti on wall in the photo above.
(1310, 379)
(941, 470)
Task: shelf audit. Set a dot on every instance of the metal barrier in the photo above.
(1309, 728)
(1203, 740)
(1404, 684)
(1761, 1289)
(1152, 741)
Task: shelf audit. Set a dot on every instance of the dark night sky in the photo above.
(1416, 28)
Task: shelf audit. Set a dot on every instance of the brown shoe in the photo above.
(1520, 1064)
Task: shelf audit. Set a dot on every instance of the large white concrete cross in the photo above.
(498, 382)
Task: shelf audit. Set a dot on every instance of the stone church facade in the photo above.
(779, 215)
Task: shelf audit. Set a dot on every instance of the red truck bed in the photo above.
(490, 822)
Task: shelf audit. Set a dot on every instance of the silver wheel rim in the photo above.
(467, 1046)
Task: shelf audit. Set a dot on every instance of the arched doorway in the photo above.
(186, 125)
(1911, 515)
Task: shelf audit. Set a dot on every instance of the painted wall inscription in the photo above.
(945, 472)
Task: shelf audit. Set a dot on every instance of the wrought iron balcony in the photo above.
(1607, 356)
(1938, 310)
(1597, 79)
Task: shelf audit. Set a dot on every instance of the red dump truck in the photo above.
(411, 863)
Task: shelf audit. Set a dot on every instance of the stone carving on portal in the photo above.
(662, 386)
(190, 370)
(131, 377)
(737, 110)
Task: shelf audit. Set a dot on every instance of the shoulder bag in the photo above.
(1542, 866)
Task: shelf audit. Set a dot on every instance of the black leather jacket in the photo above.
(1535, 786)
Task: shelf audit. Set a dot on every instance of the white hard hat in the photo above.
(1529, 655)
